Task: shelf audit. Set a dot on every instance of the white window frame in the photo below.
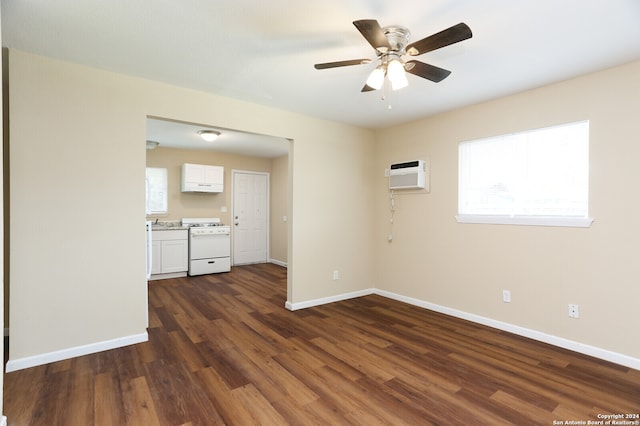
(157, 191)
(469, 212)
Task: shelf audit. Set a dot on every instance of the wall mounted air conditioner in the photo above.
(408, 175)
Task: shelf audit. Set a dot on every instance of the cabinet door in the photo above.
(174, 256)
(156, 257)
(214, 175)
(194, 173)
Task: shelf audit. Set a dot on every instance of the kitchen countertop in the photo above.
(168, 226)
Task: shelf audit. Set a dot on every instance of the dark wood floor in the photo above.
(223, 350)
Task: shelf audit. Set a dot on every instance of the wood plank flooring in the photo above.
(223, 350)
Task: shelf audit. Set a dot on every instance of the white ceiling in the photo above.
(176, 134)
(264, 51)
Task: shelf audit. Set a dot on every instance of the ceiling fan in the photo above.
(390, 44)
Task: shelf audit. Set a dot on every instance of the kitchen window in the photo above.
(536, 177)
(156, 179)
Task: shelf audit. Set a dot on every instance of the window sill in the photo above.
(574, 222)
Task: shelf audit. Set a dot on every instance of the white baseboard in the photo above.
(278, 262)
(325, 300)
(561, 342)
(33, 361)
(3, 421)
(156, 277)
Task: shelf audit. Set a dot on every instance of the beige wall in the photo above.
(278, 235)
(465, 267)
(77, 243)
(210, 205)
(77, 160)
(76, 231)
(189, 204)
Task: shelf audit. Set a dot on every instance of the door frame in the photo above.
(234, 172)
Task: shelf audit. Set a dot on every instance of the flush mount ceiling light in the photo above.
(152, 144)
(208, 135)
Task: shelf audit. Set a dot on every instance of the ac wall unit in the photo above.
(408, 175)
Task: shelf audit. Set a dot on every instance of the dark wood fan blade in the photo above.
(372, 32)
(430, 72)
(444, 38)
(341, 63)
(367, 88)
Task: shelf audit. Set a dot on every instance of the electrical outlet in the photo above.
(506, 296)
(574, 312)
(336, 275)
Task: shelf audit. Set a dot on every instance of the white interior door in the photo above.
(250, 217)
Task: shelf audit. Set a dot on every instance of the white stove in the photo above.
(209, 246)
(201, 222)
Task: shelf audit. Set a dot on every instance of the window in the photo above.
(156, 190)
(537, 177)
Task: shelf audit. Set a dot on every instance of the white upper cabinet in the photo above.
(202, 178)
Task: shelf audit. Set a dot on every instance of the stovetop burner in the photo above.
(201, 221)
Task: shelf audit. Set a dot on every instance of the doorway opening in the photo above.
(251, 161)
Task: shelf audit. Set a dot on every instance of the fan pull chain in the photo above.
(386, 94)
(392, 209)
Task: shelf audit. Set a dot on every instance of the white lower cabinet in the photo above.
(174, 256)
(156, 256)
(170, 254)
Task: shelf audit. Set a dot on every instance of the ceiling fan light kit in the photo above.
(396, 74)
(390, 44)
(376, 78)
